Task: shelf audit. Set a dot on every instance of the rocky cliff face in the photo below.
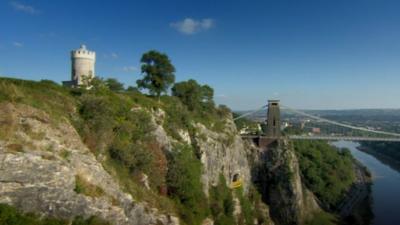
(280, 181)
(42, 161)
(45, 168)
(222, 153)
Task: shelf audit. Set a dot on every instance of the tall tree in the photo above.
(194, 95)
(158, 72)
(114, 85)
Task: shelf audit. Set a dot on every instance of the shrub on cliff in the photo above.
(221, 203)
(111, 124)
(184, 185)
(328, 172)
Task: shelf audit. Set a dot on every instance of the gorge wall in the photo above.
(47, 167)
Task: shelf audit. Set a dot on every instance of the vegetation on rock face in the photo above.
(183, 179)
(117, 127)
(322, 218)
(259, 208)
(221, 203)
(327, 171)
(11, 216)
(82, 186)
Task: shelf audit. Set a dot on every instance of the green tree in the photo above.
(114, 85)
(194, 95)
(132, 89)
(158, 72)
(96, 84)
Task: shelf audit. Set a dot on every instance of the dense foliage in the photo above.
(327, 171)
(113, 127)
(184, 185)
(158, 72)
(194, 95)
(114, 85)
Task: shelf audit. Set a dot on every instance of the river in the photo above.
(385, 188)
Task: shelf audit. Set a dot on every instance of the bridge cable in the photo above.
(339, 124)
(250, 113)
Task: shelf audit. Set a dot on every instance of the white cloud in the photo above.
(191, 26)
(221, 96)
(129, 68)
(18, 44)
(114, 55)
(24, 8)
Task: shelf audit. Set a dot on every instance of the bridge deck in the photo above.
(333, 138)
(343, 138)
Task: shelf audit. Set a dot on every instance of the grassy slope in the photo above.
(11, 216)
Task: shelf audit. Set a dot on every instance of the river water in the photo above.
(385, 188)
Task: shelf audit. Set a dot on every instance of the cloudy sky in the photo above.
(310, 54)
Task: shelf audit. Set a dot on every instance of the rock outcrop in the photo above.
(222, 153)
(280, 181)
(41, 159)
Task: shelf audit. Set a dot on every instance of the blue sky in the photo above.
(317, 54)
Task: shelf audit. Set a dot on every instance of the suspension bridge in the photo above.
(273, 130)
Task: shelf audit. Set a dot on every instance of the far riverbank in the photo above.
(385, 186)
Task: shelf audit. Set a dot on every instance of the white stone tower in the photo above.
(82, 66)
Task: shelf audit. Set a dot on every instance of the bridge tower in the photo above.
(273, 119)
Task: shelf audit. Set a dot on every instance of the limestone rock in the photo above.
(222, 153)
(289, 200)
(40, 159)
